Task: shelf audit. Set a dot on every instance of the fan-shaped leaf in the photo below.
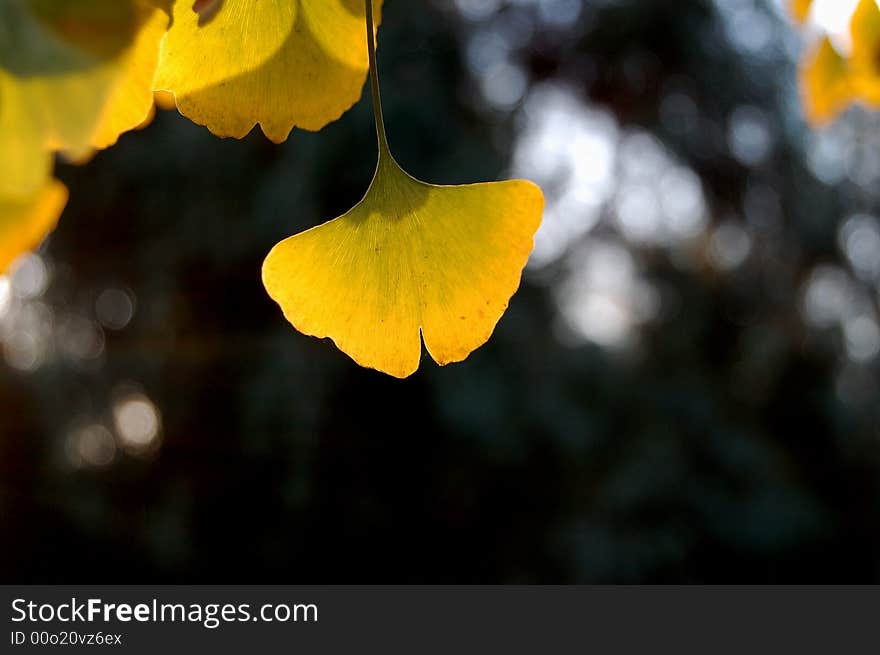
(410, 256)
(279, 63)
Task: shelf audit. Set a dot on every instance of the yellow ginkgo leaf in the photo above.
(130, 104)
(73, 76)
(25, 223)
(826, 86)
(410, 258)
(800, 9)
(232, 64)
(865, 32)
(865, 58)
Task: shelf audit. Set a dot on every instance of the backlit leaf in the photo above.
(25, 223)
(281, 63)
(73, 76)
(865, 57)
(826, 86)
(800, 9)
(410, 256)
(130, 102)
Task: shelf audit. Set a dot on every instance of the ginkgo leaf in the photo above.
(232, 64)
(865, 33)
(25, 223)
(130, 104)
(73, 76)
(865, 58)
(826, 86)
(411, 258)
(800, 9)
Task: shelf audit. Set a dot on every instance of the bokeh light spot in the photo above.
(114, 308)
(91, 446)
(137, 422)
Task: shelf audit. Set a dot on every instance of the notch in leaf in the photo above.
(409, 259)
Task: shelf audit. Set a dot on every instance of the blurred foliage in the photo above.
(731, 439)
(832, 81)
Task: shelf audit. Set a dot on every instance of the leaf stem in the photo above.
(374, 83)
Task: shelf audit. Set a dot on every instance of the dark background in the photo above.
(719, 425)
